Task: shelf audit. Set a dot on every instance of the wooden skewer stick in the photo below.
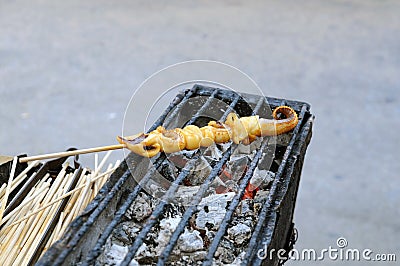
(60, 198)
(70, 153)
(8, 188)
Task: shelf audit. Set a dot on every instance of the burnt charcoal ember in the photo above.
(144, 255)
(248, 150)
(169, 171)
(142, 207)
(226, 252)
(190, 241)
(184, 259)
(212, 210)
(172, 210)
(227, 181)
(237, 166)
(279, 152)
(242, 150)
(259, 199)
(125, 232)
(261, 196)
(224, 146)
(157, 185)
(197, 256)
(239, 259)
(114, 254)
(239, 233)
(185, 194)
(245, 208)
(192, 245)
(256, 144)
(199, 172)
(167, 227)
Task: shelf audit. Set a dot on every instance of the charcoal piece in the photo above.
(190, 241)
(167, 227)
(212, 210)
(141, 208)
(226, 252)
(239, 233)
(246, 208)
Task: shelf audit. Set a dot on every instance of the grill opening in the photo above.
(210, 206)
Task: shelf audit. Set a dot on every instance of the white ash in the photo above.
(261, 177)
(238, 260)
(239, 233)
(191, 258)
(212, 210)
(156, 186)
(190, 241)
(144, 252)
(114, 254)
(167, 228)
(185, 194)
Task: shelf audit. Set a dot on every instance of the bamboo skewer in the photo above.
(70, 153)
(22, 230)
(8, 188)
(60, 198)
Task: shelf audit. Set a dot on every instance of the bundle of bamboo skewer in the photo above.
(24, 227)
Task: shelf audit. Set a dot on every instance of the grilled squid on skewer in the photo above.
(239, 130)
(246, 129)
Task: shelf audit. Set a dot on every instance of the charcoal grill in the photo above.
(85, 239)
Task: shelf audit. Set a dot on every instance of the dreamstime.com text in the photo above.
(339, 253)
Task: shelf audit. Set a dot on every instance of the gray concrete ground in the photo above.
(67, 71)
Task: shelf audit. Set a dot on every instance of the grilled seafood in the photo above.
(239, 130)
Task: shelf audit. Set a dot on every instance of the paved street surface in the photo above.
(68, 70)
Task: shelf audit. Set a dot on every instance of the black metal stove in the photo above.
(86, 238)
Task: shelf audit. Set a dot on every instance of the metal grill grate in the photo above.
(93, 226)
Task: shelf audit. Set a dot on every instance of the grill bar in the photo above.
(269, 205)
(230, 108)
(203, 108)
